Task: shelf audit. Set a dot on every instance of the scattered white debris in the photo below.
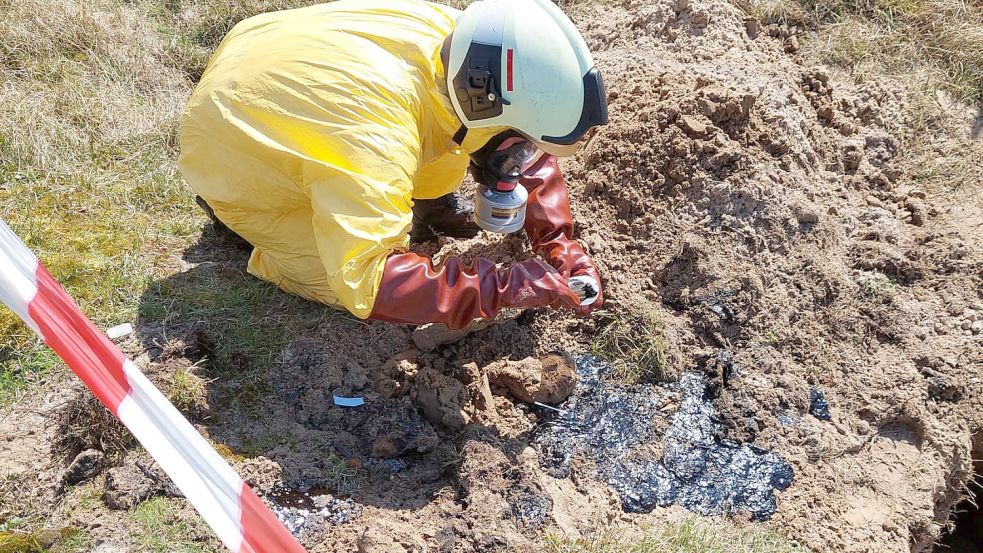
(119, 331)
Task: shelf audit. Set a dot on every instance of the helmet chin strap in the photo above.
(459, 135)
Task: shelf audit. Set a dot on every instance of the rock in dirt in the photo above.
(941, 388)
(85, 465)
(693, 126)
(441, 398)
(262, 474)
(818, 406)
(396, 428)
(127, 486)
(478, 387)
(550, 379)
(752, 26)
(428, 337)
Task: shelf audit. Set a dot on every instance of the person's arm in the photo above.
(413, 291)
(361, 218)
(549, 224)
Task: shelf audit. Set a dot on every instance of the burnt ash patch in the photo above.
(699, 468)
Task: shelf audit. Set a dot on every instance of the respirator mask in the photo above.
(500, 203)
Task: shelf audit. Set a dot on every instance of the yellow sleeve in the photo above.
(362, 207)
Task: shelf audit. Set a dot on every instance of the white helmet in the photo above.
(522, 64)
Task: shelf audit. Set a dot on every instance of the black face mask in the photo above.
(491, 165)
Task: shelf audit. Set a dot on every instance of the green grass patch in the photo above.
(161, 528)
(693, 535)
(88, 116)
(244, 324)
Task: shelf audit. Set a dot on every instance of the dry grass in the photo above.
(693, 535)
(938, 43)
(932, 48)
(634, 342)
(929, 44)
(86, 424)
(88, 114)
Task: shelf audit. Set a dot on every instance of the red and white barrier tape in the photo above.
(235, 513)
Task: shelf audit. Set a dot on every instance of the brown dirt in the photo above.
(763, 208)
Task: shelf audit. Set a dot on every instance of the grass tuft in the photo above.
(693, 535)
(86, 424)
(634, 342)
(187, 391)
(163, 529)
(933, 44)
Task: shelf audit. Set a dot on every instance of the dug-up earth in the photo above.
(760, 215)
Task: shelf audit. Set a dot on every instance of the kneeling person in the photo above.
(315, 134)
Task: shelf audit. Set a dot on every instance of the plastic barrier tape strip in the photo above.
(228, 505)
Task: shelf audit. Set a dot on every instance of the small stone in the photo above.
(693, 126)
(261, 473)
(805, 215)
(681, 5)
(119, 331)
(548, 380)
(85, 465)
(791, 44)
(441, 399)
(977, 327)
(966, 324)
(701, 18)
(852, 158)
(942, 389)
(818, 406)
(127, 486)
(752, 26)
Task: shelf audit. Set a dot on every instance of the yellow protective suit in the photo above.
(313, 129)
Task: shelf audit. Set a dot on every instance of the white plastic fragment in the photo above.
(543, 405)
(119, 331)
(348, 401)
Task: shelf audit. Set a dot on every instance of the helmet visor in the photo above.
(559, 150)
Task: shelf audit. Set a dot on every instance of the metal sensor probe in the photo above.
(585, 287)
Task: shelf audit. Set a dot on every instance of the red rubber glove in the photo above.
(412, 291)
(549, 225)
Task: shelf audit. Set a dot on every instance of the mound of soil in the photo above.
(765, 211)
